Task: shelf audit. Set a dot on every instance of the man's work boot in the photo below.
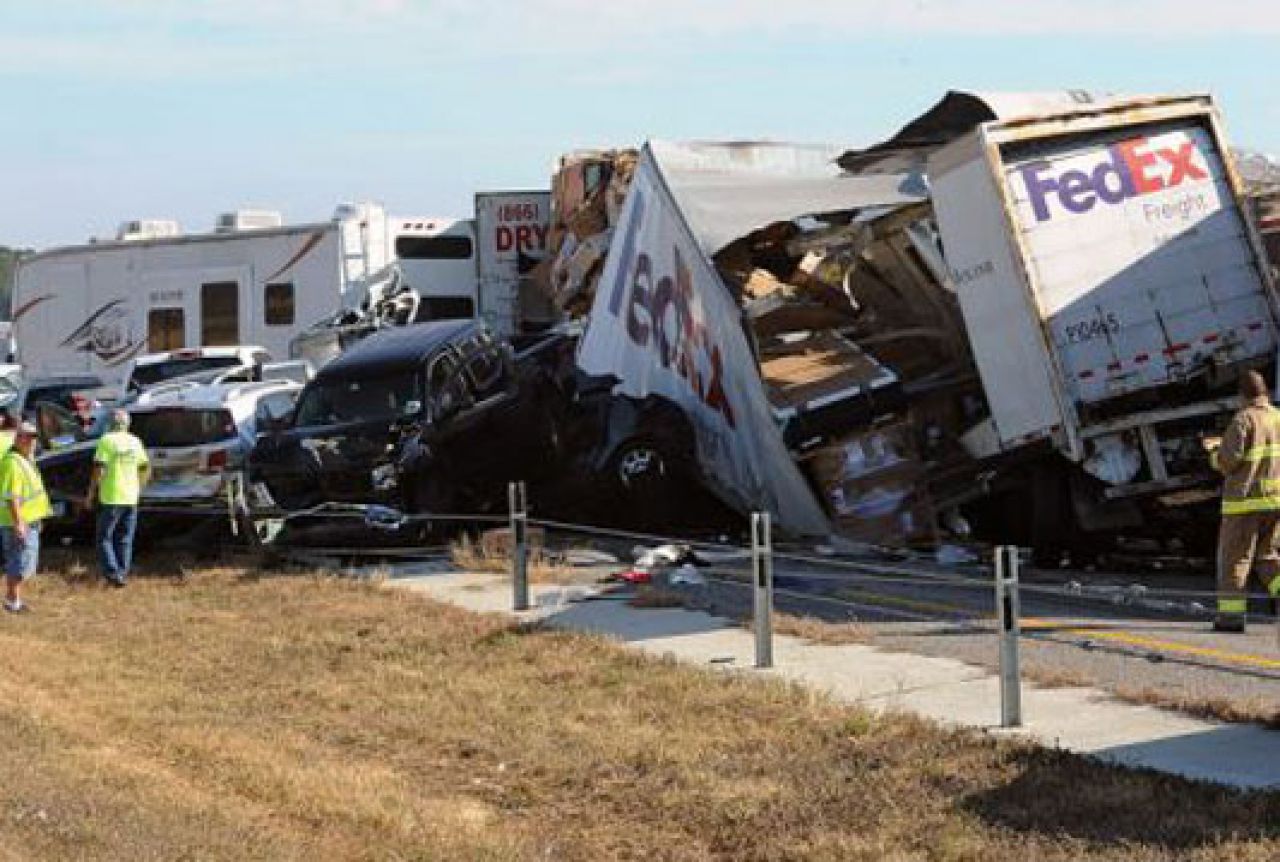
(1229, 624)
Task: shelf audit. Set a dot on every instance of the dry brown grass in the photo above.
(227, 716)
(543, 566)
(1047, 676)
(819, 631)
(1255, 710)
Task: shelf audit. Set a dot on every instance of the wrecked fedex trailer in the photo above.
(1113, 287)
(664, 322)
(1049, 375)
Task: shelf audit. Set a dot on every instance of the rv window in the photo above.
(277, 308)
(434, 247)
(220, 314)
(445, 308)
(166, 330)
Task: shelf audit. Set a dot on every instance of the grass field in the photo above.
(223, 716)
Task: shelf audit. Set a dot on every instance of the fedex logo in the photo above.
(657, 311)
(1131, 168)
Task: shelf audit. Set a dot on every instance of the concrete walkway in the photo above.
(1082, 720)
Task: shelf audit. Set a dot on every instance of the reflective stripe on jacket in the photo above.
(1249, 460)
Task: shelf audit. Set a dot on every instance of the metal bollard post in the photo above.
(519, 546)
(1008, 613)
(762, 571)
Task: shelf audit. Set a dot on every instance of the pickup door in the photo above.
(492, 423)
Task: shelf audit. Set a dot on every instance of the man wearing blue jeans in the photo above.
(23, 505)
(120, 469)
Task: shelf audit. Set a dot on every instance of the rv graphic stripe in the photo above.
(312, 242)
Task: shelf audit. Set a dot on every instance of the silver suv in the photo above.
(199, 434)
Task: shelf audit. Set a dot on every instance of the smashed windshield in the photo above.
(330, 402)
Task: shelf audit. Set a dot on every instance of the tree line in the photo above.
(8, 259)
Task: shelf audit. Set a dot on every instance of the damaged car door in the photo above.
(489, 422)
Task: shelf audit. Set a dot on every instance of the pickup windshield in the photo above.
(159, 372)
(330, 402)
(183, 427)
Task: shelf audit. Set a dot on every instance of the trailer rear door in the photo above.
(1139, 257)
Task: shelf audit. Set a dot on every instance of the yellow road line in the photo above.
(1177, 647)
(1035, 623)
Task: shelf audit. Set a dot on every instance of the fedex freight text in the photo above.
(1184, 209)
(1128, 170)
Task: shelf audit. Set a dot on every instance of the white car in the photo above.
(211, 364)
(198, 435)
(10, 386)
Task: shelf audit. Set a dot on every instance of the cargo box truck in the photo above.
(1113, 287)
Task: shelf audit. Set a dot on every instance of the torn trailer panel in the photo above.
(666, 321)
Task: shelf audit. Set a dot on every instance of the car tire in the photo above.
(645, 476)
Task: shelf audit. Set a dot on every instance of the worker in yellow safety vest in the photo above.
(23, 505)
(1248, 457)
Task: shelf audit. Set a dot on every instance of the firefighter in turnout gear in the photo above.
(1248, 457)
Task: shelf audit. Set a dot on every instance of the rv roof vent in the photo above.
(148, 228)
(248, 220)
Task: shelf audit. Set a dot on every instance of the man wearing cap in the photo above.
(23, 505)
(1248, 457)
(120, 469)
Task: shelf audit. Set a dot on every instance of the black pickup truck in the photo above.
(439, 417)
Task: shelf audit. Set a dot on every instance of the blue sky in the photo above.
(185, 108)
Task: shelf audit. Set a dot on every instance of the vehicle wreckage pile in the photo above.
(587, 194)
(1064, 357)
(1016, 320)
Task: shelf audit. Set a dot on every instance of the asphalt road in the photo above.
(1139, 635)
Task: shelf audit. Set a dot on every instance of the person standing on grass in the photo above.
(120, 469)
(23, 505)
(1248, 457)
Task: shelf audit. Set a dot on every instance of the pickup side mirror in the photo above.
(277, 422)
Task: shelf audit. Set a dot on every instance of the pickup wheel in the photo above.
(645, 474)
(639, 466)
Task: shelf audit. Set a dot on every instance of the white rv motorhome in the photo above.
(254, 280)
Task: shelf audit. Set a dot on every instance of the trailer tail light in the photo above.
(215, 461)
